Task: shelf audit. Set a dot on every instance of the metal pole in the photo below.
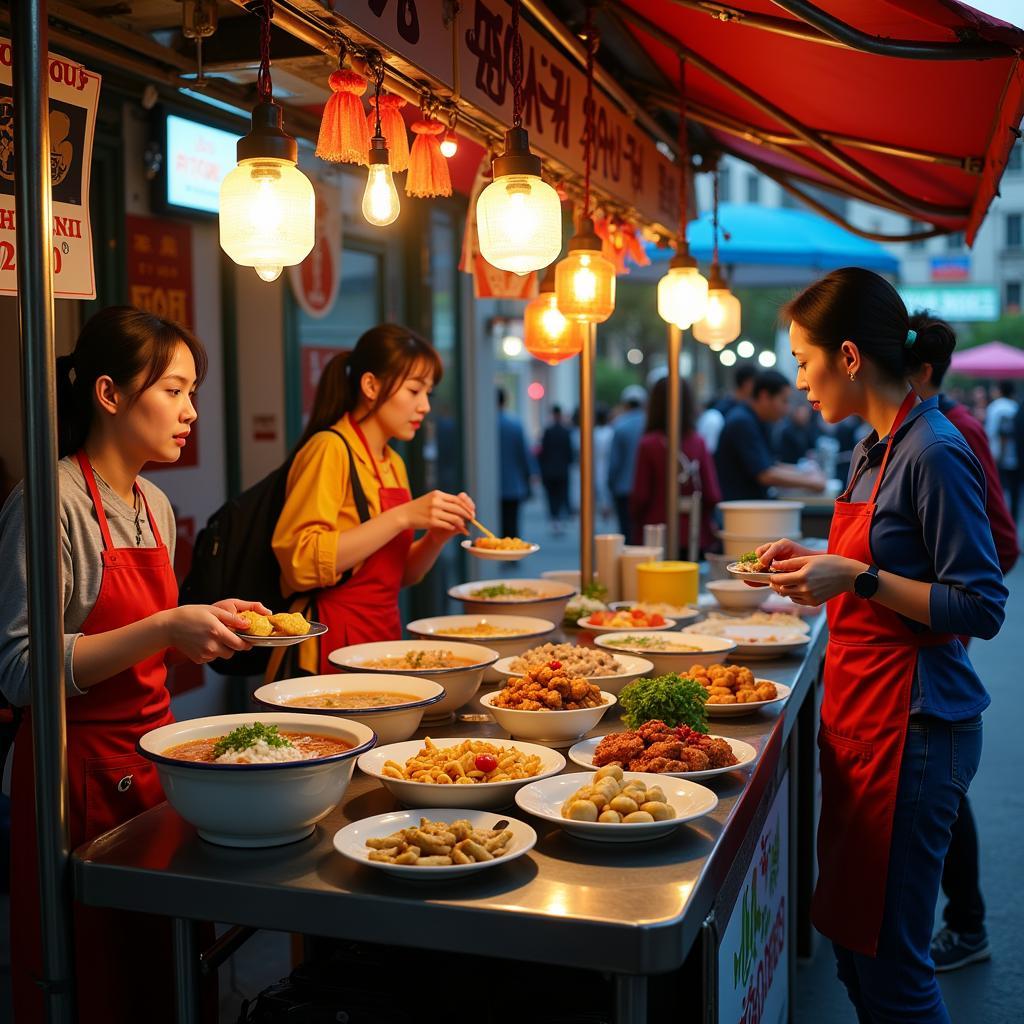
(45, 610)
(186, 971)
(673, 426)
(587, 456)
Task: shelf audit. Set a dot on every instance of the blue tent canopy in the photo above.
(775, 236)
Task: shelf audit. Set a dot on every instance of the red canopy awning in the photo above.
(994, 359)
(924, 136)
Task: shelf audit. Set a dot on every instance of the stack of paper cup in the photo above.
(632, 556)
(608, 550)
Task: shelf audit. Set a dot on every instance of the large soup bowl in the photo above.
(255, 804)
(391, 722)
(548, 600)
(460, 683)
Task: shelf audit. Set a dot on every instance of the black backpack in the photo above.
(233, 557)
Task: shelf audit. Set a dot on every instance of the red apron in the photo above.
(869, 675)
(364, 609)
(117, 956)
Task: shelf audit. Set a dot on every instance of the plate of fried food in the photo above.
(459, 772)
(735, 690)
(434, 843)
(750, 568)
(613, 806)
(500, 549)
(279, 630)
(657, 749)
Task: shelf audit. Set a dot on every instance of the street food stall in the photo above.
(720, 901)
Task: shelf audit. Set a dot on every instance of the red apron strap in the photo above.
(366, 446)
(90, 483)
(149, 515)
(908, 404)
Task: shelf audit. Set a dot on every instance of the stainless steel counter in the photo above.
(629, 910)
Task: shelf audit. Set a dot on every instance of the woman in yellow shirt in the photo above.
(346, 532)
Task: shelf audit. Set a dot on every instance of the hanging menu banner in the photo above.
(74, 97)
(625, 163)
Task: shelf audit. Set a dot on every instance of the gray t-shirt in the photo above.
(81, 555)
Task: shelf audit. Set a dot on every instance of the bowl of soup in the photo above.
(458, 667)
(256, 779)
(538, 598)
(509, 635)
(669, 652)
(391, 705)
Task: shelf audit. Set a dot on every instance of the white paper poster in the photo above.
(74, 97)
(753, 973)
(316, 279)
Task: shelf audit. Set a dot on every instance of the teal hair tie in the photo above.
(911, 338)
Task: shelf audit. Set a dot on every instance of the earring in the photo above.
(853, 376)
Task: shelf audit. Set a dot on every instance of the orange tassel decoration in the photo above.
(635, 247)
(344, 137)
(392, 127)
(428, 169)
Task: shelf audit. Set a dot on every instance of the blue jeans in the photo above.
(898, 985)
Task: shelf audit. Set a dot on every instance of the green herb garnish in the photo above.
(595, 591)
(504, 590)
(674, 699)
(750, 556)
(246, 736)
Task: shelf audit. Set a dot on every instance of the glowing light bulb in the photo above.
(268, 272)
(547, 334)
(682, 293)
(585, 279)
(449, 145)
(380, 198)
(721, 323)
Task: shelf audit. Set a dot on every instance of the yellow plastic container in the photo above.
(667, 582)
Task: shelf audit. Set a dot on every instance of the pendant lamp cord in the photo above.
(264, 86)
(684, 162)
(377, 67)
(588, 109)
(517, 68)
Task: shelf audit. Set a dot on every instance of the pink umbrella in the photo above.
(994, 359)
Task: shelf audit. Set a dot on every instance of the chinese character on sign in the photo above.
(408, 20)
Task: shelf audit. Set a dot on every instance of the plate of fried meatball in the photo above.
(660, 749)
(735, 690)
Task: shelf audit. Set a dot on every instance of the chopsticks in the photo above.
(483, 529)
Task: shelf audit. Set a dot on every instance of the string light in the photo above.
(267, 205)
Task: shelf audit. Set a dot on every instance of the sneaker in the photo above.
(951, 949)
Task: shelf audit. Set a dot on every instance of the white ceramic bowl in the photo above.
(689, 800)
(553, 596)
(529, 633)
(590, 627)
(556, 727)
(632, 668)
(738, 544)
(391, 723)
(777, 518)
(711, 650)
(736, 595)
(255, 804)
(478, 795)
(763, 641)
(351, 842)
(460, 684)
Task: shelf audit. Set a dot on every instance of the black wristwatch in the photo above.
(866, 583)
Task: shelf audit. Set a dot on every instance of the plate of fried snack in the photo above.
(435, 843)
(735, 690)
(658, 749)
(500, 549)
(459, 772)
(613, 806)
(279, 630)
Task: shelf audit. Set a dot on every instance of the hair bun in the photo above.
(935, 342)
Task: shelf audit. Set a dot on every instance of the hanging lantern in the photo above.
(547, 334)
(518, 216)
(585, 279)
(683, 291)
(380, 197)
(267, 205)
(392, 128)
(721, 321)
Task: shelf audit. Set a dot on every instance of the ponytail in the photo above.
(933, 345)
(333, 396)
(131, 347)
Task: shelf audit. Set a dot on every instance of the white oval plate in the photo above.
(738, 710)
(681, 613)
(689, 800)
(583, 754)
(755, 577)
(753, 642)
(350, 841)
(315, 629)
(493, 555)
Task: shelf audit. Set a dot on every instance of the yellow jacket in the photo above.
(318, 508)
